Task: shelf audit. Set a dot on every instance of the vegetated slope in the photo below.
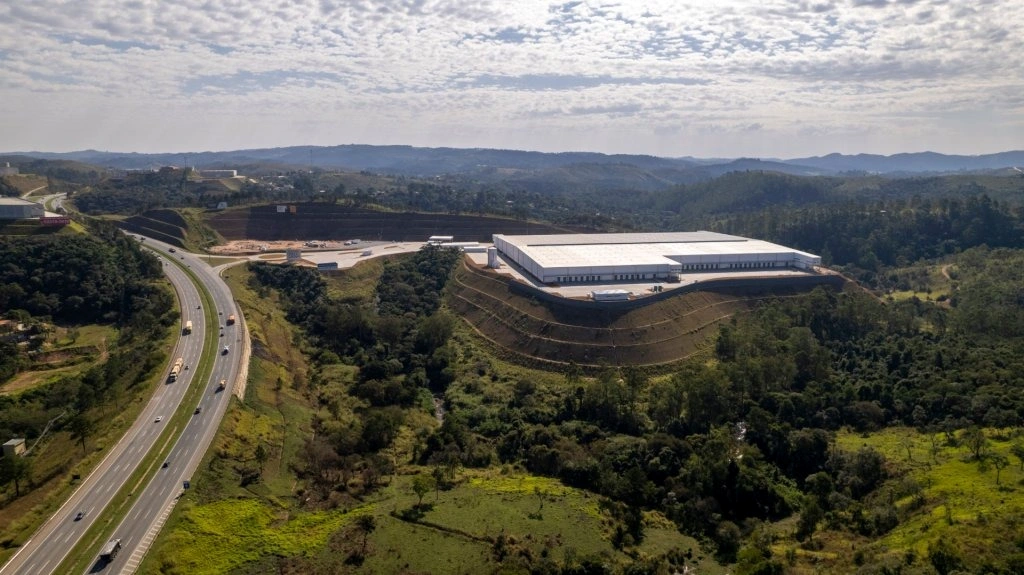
(660, 333)
(164, 225)
(68, 170)
(330, 221)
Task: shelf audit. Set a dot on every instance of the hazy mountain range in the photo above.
(529, 169)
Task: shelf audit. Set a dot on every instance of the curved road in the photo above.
(50, 545)
(147, 516)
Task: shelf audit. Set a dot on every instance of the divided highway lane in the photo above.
(57, 537)
(144, 521)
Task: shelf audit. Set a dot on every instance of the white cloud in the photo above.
(660, 76)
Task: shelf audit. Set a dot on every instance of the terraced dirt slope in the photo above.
(536, 333)
(164, 225)
(321, 221)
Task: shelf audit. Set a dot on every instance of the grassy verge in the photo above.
(276, 414)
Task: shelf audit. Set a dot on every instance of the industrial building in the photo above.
(603, 258)
(217, 174)
(19, 209)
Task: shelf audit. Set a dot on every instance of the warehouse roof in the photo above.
(592, 250)
(10, 201)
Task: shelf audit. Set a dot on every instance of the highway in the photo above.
(146, 518)
(54, 540)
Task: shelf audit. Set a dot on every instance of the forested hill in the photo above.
(748, 192)
(101, 277)
(63, 169)
(867, 240)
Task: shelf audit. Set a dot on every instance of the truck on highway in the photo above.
(223, 383)
(224, 351)
(187, 329)
(175, 370)
(110, 550)
(231, 319)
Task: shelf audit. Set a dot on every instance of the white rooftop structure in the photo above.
(569, 258)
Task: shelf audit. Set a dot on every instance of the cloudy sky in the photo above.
(713, 78)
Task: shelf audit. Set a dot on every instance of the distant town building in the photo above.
(8, 170)
(217, 174)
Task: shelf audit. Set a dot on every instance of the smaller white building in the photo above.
(610, 295)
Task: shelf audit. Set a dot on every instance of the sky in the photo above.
(712, 78)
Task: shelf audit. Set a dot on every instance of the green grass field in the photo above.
(926, 282)
(962, 502)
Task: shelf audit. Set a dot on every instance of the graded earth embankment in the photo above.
(165, 225)
(323, 221)
(544, 333)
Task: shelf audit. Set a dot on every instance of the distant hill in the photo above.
(398, 160)
(540, 172)
(59, 166)
(912, 163)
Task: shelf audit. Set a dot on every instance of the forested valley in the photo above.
(818, 432)
(731, 445)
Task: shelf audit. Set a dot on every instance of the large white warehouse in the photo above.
(565, 258)
(17, 208)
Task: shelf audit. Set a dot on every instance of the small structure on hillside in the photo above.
(14, 447)
(8, 170)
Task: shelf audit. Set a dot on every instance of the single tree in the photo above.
(810, 516)
(1000, 462)
(367, 524)
(81, 428)
(261, 455)
(14, 469)
(421, 485)
(976, 442)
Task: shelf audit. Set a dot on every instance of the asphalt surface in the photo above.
(50, 545)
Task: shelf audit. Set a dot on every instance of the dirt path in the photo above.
(30, 192)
